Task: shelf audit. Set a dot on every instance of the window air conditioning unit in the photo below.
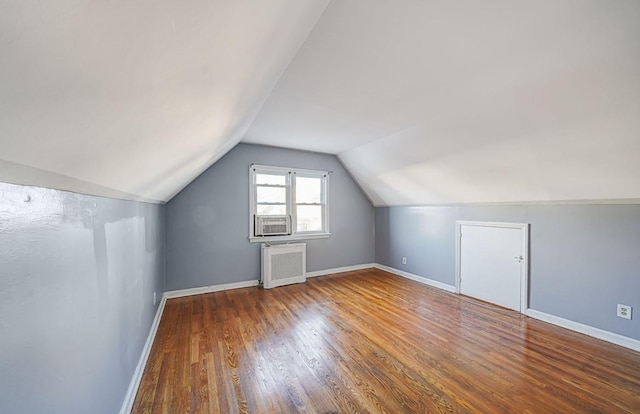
(283, 264)
(273, 225)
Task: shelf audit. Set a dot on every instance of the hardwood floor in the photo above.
(369, 341)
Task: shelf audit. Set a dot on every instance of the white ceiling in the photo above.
(425, 102)
(134, 99)
(439, 102)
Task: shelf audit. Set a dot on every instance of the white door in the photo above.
(492, 263)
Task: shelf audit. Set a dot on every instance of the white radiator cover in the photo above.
(283, 264)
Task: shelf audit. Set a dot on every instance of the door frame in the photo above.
(524, 272)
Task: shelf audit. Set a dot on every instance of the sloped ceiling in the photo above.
(134, 99)
(441, 102)
(425, 102)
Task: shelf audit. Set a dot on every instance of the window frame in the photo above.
(291, 205)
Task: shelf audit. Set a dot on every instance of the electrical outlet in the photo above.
(404, 260)
(624, 311)
(155, 298)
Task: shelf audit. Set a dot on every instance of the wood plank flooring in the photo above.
(369, 341)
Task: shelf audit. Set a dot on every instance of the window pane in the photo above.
(309, 218)
(308, 190)
(272, 195)
(271, 179)
(271, 210)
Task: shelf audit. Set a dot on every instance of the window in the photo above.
(300, 195)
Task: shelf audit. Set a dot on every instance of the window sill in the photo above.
(295, 237)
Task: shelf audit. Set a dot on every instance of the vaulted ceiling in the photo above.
(424, 101)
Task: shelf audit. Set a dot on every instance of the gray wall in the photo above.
(584, 259)
(208, 221)
(77, 276)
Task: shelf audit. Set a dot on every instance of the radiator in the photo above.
(283, 264)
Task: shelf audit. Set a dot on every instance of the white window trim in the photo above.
(291, 210)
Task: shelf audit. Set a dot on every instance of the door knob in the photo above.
(518, 257)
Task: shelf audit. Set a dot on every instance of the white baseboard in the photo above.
(127, 405)
(130, 397)
(586, 329)
(340, 270)
(208, 289)
(420, 279)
